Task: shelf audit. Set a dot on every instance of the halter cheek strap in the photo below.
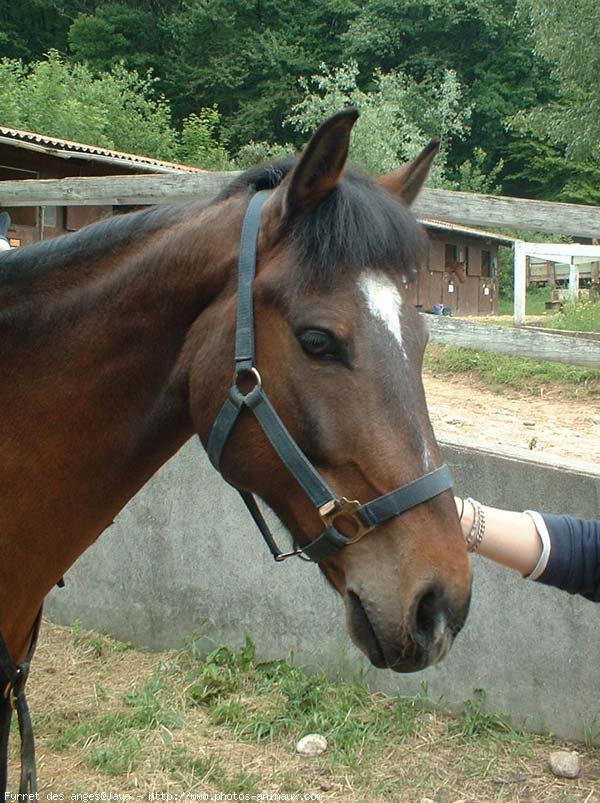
(363, 518)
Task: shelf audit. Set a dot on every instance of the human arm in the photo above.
(510, 538)
(560, 551)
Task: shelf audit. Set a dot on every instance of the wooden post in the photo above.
(520, 283)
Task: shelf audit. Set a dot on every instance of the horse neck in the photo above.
(97, 403)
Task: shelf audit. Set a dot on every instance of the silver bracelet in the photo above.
(475, 537)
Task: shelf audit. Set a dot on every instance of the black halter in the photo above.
(364, 517)
(13, 678)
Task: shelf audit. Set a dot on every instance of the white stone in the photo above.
(313, 744)
(564, 764)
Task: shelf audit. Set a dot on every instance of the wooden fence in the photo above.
(468, 209)
(454, 207)
(571, 348)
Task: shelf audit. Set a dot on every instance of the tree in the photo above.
(567, 35)
(30, 28)
(117, 33)
(246, 56)
(199, 141)
(398, 115)
(117, 109)
(483, 41)
(539, 168)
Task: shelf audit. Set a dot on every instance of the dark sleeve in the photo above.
(574, 563)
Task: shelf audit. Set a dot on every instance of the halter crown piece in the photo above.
(363, 517)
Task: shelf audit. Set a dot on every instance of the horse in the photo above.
(117, 344)
(458, 269)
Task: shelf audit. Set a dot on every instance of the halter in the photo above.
(364, 517)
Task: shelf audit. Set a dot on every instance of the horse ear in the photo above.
(407, 181)
(320, 165)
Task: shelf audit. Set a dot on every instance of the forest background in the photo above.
(512, 86)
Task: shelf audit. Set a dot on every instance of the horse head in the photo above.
(339, 348)
(458, 269)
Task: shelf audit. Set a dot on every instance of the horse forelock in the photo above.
(358, 226)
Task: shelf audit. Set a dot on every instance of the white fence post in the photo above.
(573, 280)
(520, 282)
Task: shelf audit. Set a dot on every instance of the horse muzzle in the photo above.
(424, 639)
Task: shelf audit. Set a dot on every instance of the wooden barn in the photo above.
(24, 155)
(461, 272)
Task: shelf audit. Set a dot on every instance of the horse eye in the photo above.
(318, 343)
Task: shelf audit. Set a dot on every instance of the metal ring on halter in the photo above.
(297, 553)
(245, 371)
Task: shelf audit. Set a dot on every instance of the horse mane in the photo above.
(359, 225)
(21, 266)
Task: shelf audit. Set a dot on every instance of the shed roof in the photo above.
(442, 225)
(65, 149)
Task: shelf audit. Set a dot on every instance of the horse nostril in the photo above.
(430, 618)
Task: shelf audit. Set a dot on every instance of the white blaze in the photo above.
(383, 300)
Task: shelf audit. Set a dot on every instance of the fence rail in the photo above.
(571, 349)
(454, 207)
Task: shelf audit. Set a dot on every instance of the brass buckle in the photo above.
(348, 510)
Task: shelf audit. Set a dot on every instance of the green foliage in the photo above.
(118, 109)
(252, 78)
(30, 28)
(483, 41)
(577, 316)
(398, 115)
(515, 95)
(118, 755)
(199, 141)
(97, 643)
(256, 152)
(473, 176)
(538, 168)
(475, 723)
(116, 33)
(292, 703)
(567, 35)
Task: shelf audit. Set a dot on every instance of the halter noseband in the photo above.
(330, 507)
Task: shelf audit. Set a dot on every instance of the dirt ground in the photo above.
(461, 409)
(78, 686)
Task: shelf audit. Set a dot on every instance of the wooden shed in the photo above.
(461, 271)
(25, 155)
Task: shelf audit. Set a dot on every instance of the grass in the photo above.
(535, 302)
(228, 723)
(580, 316)
(499, 372)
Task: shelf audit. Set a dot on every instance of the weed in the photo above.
(98, 644)
(475, 723)
(118, 756)
(535, 302)
(577, 316)
(183, 767)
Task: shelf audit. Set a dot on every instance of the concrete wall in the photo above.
(184, 558)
